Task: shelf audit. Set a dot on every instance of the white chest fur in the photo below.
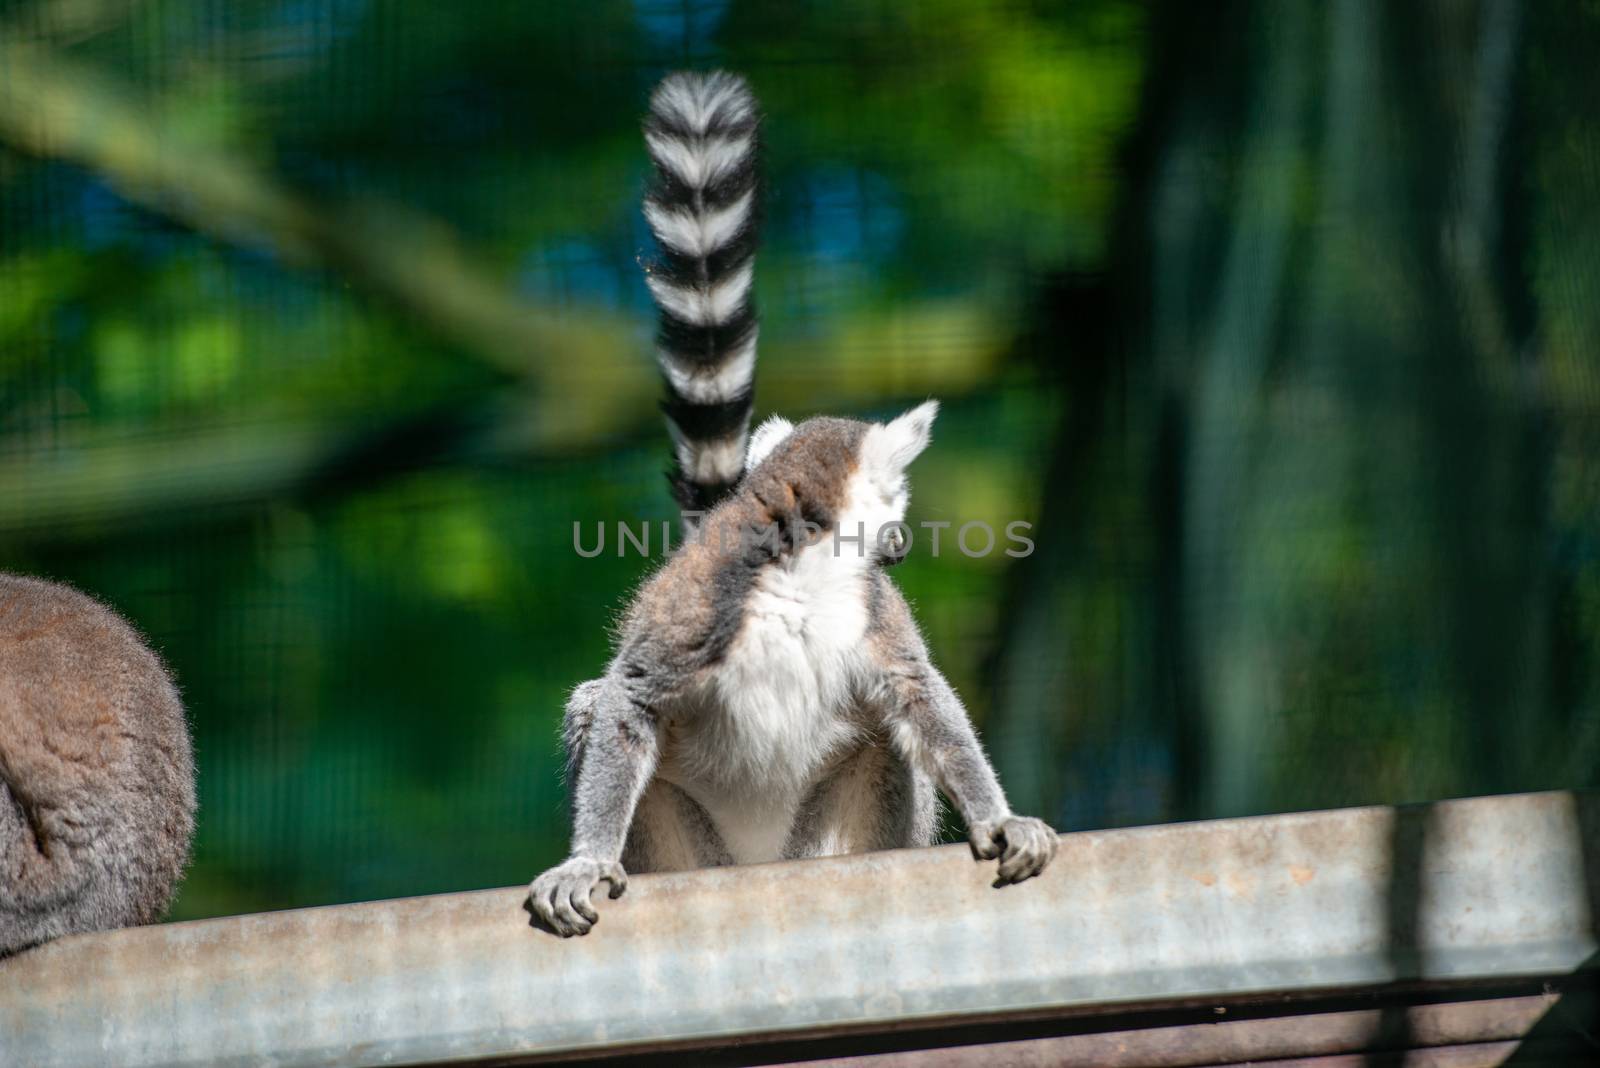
(781, 706)
(782, 700)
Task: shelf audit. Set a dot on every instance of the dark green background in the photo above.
(320, 323)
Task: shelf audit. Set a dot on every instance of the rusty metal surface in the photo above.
(1484, 889)
(1486, 1055)
(1477, 1055)
(1313, 1038)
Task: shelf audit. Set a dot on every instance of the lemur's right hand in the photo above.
(560, 897)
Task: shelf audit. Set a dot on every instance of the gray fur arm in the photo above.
(610, 738)
(611, 766)
(930, 727)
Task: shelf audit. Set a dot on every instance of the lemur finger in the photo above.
(985, 843)
(557, 910)
(569, 922)
(1047, 849)
(1029, 862)
(548, 910)
(580, 901)
(1049, 843)
(1015, 865)
(1030, 844)
(613, 874)
(539, 901)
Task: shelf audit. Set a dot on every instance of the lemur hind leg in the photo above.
(672, 832)
(872, 800)
(44, 887)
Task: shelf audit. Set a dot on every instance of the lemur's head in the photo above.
(840, 474)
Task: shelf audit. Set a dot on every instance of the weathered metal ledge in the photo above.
(1136, 933)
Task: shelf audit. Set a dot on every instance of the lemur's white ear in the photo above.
(766, 438)
(896, 443)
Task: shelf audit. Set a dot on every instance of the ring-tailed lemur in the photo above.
(97, 791)
(770, 696)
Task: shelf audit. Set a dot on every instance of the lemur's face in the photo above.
(848, 475)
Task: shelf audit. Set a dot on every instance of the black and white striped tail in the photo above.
(702, 205)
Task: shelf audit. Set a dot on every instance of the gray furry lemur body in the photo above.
(96, 772)
(768, 697)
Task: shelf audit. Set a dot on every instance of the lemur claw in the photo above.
(1024, 845)
(559, 900)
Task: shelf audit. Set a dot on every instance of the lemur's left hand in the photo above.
(1023, 844)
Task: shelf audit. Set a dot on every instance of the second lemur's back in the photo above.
(97, 792)
(703, 207)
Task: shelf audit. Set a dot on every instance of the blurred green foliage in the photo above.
(321, 323)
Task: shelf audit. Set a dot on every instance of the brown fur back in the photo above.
(97, 793)
(691, 609)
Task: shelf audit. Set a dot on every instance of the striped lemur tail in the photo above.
(703, 207)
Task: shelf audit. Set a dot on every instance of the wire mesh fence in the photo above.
(321, 323)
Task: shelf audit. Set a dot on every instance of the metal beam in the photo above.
(1490, 890)
(1469, 1030)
